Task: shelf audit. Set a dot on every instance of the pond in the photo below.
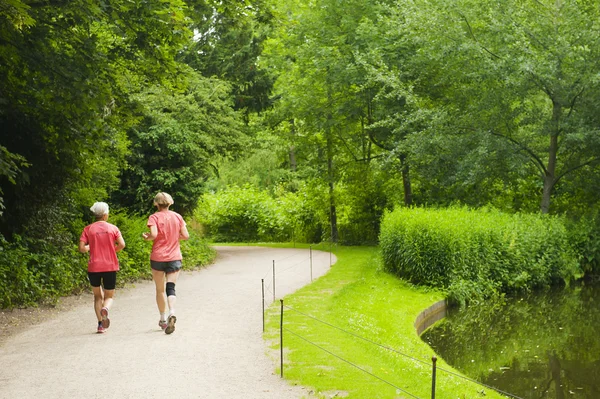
(542, 345)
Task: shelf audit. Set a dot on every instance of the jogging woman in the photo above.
(102, 240)
(166, 229)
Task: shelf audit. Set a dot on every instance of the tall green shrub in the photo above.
(240, 214)
(584, 235)
(476, 253)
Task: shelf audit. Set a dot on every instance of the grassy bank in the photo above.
(361, 300)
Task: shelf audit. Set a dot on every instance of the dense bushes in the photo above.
(27, 278)
(248, 214)
(251, 215)
(475, 254)
(34, 271)
(584, 235)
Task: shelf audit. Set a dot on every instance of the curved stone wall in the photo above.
(430, 316)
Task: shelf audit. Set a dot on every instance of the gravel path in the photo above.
(217, 350)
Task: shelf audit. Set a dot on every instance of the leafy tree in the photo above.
(514, 71)
(319, 85)
(227, 43)
(172, 145)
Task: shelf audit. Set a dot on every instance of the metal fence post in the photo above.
(281, 338)
(433, 373)
(262, 282)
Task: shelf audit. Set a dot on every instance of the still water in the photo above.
(542, 345)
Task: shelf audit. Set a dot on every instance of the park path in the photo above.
(217, 350)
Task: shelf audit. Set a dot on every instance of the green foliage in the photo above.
(66, 70)
(228, 43)
(28, 278)
(247, 214)
(196, 252)
(476, 254)
(584, 235)
(172, 144)
(362, 199)
(134, 260)
(241, 215)
(502, 83)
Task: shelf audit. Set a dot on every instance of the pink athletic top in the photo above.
(165, 247)
(101, 237)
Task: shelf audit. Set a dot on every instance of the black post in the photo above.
(434, 359)
(281, 338)
(273, 280)
(262, 282)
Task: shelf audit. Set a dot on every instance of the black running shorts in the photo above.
(167, 267)
(107, 279)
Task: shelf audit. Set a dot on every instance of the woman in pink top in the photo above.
(102, 240)
(166, 229)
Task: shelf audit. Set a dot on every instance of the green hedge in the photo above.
(474, 254)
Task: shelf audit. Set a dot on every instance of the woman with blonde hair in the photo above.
(166, 229)
(102, 240)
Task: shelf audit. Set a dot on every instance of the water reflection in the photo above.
(544, 345)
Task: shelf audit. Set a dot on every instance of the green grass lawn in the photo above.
(361, 303)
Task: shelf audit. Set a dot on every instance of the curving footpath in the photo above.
(216, 351)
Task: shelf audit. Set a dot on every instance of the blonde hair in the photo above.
(163, 200)
(99, 209)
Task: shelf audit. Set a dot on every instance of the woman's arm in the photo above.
(183, 233)
(120, 244)
(83, 247)
(152, 235)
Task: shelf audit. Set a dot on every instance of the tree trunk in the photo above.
(332, 207)
(550, 173)
(293, 163)
(406, 181)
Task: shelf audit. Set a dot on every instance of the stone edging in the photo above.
(430, 316)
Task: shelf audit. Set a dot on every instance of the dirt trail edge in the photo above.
(216, 351)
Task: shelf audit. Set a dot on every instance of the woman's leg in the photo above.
(108, 298)
(98, 301)
(172, 299)
(161, 297)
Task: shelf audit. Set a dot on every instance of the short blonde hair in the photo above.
(99, 209)
(163, 200)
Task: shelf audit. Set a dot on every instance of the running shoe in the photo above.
(101, 329)
(162, 324)
(171, 324)
(105, 319)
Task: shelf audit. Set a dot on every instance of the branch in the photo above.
(378, 144)
(541, 84)
(477, 41)
(347, 146)
(574, 168)
(572, 105)
(536, 160)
